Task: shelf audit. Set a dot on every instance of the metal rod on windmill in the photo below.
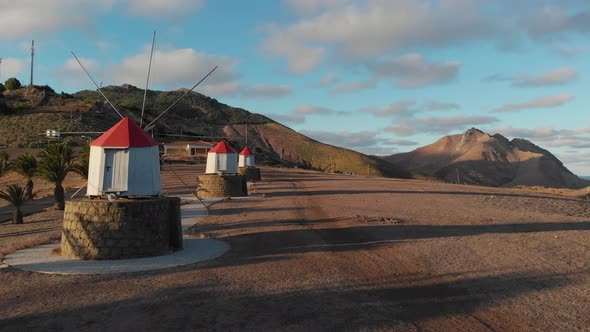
(148, 80)
(181, 97)
(96, 85)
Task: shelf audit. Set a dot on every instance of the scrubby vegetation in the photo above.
(57, 161)
(15, 195)
(12, 84)
(26, 166)
(30, 112)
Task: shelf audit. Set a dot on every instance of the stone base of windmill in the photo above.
(250, 173)
(99, 229)
(221, 186)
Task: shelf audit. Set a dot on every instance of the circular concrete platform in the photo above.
(40, 259)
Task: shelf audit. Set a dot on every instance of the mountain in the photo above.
(475, 157)
(25, 115)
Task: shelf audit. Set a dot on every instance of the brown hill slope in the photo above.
(28, 112)
(475, 157)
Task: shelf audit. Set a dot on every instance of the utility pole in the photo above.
(0, 69)
(32, 59)
(457, 175)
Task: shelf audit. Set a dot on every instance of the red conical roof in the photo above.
(125, 134)
(222, 147)
(246, 152)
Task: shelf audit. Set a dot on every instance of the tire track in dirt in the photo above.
(373, 269)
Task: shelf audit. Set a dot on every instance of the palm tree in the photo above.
(15, 195)
(81, 167)
(4, 162)
(26, 165)
(56, 162)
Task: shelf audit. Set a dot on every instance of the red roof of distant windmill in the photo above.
(246, 152)
(125, 134)
(222, 147)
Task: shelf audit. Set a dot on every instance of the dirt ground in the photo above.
(333, 252)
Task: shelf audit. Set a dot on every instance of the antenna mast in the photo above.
(32, 59)
(148, 79)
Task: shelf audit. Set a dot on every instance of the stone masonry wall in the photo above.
(99, 229)
(250, 173)
(226, 185)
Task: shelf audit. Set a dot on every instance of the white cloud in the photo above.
(368, 142)
(266, 91)
(537, 133)
(554, 77)
(72, 75)
(299, 114)
(409, 108)
(301, 58)
(413, 71)
(173, 69)
(402, 108)
(354, 87)
(25, 17)
(11, 67)
(346, 139)
(401, 142)
(438, 125)
(568, 51)
(229, 88)
(308, 110)
(545, 102)
(164, 8)
(557, 76)
(373, 29)
(550, 22)
(310, 7)
(550, 136)
(329, 79)
(433, 105)
(176, 68)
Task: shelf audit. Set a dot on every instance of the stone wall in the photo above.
(219, 186)
(250, 173)
(99, 229)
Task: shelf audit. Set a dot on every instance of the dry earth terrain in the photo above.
(332, 252)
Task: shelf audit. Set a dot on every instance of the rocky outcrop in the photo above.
(476, 157)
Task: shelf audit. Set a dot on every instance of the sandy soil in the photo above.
(330, 252)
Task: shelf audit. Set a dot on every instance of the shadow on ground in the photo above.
(368, 306)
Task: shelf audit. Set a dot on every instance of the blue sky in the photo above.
(380, 76)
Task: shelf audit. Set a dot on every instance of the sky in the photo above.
(376, 76)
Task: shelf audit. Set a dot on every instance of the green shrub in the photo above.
(22, 106)
(12, 84)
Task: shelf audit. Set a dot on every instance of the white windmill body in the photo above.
(222, 159)
(125, 161)
(246, 158)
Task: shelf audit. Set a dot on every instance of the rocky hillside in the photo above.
(475, 157)
(26, 114)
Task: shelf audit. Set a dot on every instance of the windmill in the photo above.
(247, 166)
(124, 162)
(112, 163)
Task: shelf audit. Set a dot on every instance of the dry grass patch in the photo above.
(39, 228)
